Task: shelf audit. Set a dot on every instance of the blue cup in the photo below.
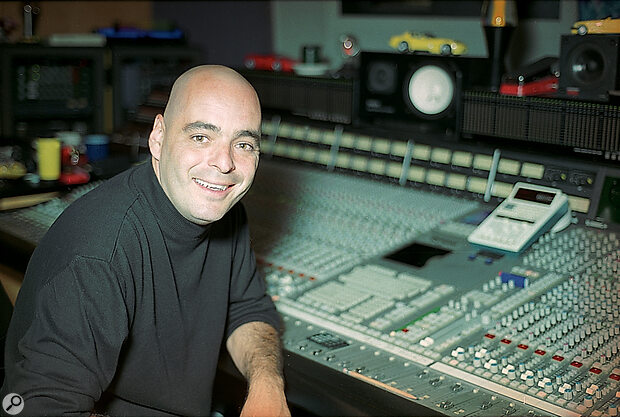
(96, 147)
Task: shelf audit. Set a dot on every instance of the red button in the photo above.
(595, 371)
(506, 341)
(558, 358)
(522, 346)
(539, 352)
(576, 364)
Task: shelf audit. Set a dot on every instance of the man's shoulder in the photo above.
(115, 194)
(90, 226)
(105, 204)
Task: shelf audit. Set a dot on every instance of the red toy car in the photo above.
(269, 62)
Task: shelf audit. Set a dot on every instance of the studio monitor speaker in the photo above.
(589, 66)
(420, 93)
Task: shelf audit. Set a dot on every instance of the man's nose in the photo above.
(221, 157)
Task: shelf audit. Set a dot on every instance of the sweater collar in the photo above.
(172, 223)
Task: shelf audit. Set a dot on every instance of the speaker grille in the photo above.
(589, 66)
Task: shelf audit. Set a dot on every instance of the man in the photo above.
(129, 296)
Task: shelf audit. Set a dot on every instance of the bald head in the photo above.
(207, 79)
(205, 147)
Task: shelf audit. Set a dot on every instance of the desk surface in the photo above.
(11, 280)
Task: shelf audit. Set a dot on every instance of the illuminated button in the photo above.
(463, 159)
(532, 170)
(416, 174)
(509, 166)
(456, 181)
(314, 135)
(399, 148)
(347, 140)
(364, 143)
(483, 162)
(422, 152)
(436, 177)
(441, 155)
(381, 146)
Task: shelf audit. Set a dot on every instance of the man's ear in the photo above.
(156, 138)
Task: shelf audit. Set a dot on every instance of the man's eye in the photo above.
(246, 146)
(200, 138)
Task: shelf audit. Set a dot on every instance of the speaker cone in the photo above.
(588, 66)
(382, 77)
(430, 90)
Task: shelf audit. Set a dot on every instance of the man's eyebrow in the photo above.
(197, 126)
(254, 134)
(194, 126)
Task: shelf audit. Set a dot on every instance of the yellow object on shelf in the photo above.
(11, 170)
(48, 154)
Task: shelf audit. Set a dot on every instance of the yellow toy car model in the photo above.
(607, 25)
(412, 41)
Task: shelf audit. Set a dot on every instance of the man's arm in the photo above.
(69, 353)
(256, 351)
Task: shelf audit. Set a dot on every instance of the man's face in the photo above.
(210, 151)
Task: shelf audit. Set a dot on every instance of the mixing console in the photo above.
(319, 224)
(436, 322)
(27, 226)
(376, 282)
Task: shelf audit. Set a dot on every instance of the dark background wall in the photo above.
(225, 30)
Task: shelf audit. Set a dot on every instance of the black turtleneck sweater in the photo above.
(125, 305)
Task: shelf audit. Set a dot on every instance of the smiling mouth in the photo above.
(208, 185)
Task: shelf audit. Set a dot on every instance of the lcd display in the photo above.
(534, 196)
